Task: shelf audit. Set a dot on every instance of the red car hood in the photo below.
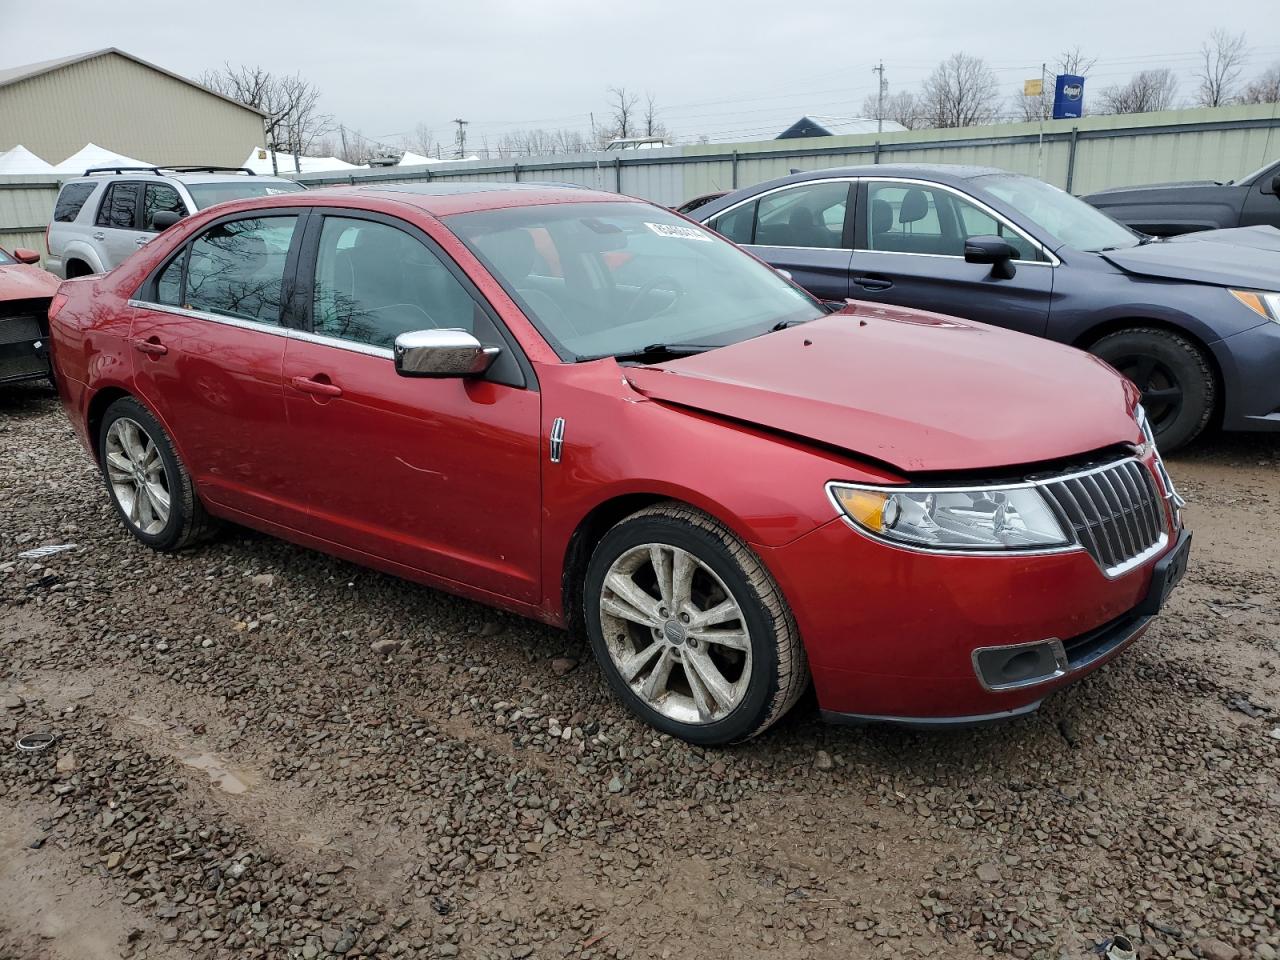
(919, 391)
(18, 281)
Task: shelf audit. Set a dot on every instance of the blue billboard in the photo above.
(1068, 97)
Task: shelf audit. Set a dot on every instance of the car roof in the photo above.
(445, 199)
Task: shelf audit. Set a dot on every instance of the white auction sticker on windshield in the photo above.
(678, 231)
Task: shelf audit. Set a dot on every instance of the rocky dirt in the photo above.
(265, 752)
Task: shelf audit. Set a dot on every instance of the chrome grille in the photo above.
(1115, 511)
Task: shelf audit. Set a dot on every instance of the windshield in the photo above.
(219, 191)
(1250, 177)
(5, 258)
(1057, 212)
(602, 279)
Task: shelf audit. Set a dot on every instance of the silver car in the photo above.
(107, 214)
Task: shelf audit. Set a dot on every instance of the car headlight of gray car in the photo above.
(1013, 517)
(1265, 304)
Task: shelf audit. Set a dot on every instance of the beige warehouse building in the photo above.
(125, 104)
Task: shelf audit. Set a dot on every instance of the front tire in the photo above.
(147, 481)
(691, 631)
(1179, 389)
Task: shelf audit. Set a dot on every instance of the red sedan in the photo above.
(25, 292)
(587, 410)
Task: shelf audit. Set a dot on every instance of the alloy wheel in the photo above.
(137, 476)
(675, 633)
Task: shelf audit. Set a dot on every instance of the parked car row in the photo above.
(1192, 319)
(589, 410)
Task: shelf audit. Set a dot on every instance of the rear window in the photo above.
(207, 194)
(71, 200)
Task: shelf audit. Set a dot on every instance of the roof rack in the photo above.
(93, 170)
(209, 169)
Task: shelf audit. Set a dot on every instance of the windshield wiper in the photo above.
(655, 351)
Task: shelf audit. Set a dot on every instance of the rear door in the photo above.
(208, 337)
(438, 475)
(909, 251)
(117, 229)
(803, 228)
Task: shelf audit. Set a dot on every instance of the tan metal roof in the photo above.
(10, 75)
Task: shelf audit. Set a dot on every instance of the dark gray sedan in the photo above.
(1193, 320)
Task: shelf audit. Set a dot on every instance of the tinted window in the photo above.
(159, 197)
(809, 215)
(236, 269)
(119, 206)
(207, 194)
(169, 283)
(375, 282)
(71, 200)
(736, 225)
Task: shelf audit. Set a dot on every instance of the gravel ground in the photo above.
(265, 752)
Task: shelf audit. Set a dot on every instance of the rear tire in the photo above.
(146, 480)
(1179, 389)
(689, 628)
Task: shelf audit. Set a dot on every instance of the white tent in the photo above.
(20, 160)
(285, 166)
(91, 155)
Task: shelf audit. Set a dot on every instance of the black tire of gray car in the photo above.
(1160, 361)
(766, 674)
(187, 522)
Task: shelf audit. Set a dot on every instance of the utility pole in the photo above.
(880, 97)
(462, 137)
(1043, 109)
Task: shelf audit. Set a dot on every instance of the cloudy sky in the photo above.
(729, 69)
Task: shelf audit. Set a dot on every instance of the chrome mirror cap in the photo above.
(441, 353)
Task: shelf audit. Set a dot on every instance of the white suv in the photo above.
(110, 212)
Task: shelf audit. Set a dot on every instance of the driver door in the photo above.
(434, 475)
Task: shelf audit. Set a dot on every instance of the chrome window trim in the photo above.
(1052, 259)
(275, 330)
(1110, 573)
(1062, 665)
(760, 196)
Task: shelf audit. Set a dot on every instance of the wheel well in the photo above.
(582, 544)
(98, 409)
(1091, 336)
(78, 268)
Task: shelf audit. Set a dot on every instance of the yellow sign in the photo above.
(1033, 88)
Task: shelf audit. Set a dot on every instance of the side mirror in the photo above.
(441, 353)
(1275, 184)
(993, 250)
(26, 255)
(165, 219)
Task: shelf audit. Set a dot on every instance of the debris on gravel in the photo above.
(264, 752)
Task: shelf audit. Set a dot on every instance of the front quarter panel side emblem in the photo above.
(557, 439)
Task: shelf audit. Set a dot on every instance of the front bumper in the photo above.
(1250, 362)
(891, 634)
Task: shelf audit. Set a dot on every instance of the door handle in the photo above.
(873, 283)
(99, 235)
(152, 347)
(317, 387)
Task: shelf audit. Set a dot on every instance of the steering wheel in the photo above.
(664, 282)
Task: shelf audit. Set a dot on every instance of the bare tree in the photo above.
(294, 121)
(1265, 88)
(422, 140)
(653, 126)
(961, 91)
(1148, 91)
(1222, 57)
(623, 103)
(1071, 61)
(902, 108)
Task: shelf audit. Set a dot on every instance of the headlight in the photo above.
(953, 518)
(1264, 304)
